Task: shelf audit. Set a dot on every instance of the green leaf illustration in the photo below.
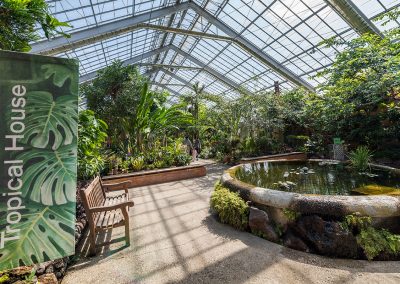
(50, 122)
(50, 176)
(45, 233)
(61, 74)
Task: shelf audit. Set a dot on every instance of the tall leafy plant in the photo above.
(18, 20)
(92, 134)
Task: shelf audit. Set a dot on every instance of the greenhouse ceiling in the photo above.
(229, 46)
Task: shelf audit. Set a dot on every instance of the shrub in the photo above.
(159, 164)
(360, 158)
(182, 160)
(230, 208)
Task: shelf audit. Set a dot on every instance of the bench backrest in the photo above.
(93, 195)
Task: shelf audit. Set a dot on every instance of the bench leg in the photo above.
(92, 237)
(126, 220)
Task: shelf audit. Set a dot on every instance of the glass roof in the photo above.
(288, 31)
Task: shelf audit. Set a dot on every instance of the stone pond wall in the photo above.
(315, 223)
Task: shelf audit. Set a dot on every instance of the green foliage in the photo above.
(137, 163)
(47, 229)
(92, 134)
(376, 241)
(230, 208)
(182, 160)
(358, 100)
(137, 116)
(291, 215)
(18, 22)
(360, 158)
(353, 221)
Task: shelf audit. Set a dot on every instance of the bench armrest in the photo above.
(111, 207)
(124, 185)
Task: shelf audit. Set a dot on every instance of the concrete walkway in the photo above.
(174, 239)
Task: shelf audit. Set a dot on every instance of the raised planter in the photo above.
(284, 156)
(158, 176)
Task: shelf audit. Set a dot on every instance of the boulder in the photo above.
(326, 237)
(260, 225)
(48, 278)
(293, 242)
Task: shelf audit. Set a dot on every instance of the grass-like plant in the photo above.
(360, 158)
(230, 208)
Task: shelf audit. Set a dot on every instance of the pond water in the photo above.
(311, 177)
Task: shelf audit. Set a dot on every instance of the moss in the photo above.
(374, 189)
(291, 215)
(231, 209)
(231, 172)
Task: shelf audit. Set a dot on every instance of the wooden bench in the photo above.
(104, 210)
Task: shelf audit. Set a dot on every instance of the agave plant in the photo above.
(360, 158)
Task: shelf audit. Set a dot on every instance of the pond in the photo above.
(318, 177)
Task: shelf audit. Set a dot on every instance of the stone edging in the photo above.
(334, 205)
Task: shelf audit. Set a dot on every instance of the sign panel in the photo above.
(38, 158)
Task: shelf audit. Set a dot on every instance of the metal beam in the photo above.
(155, 65)
(252, 49)
(101, 32)
(133, 60)
(354, 16)
(210, 70)
(167, 88)
(105, 31)
(173, 75)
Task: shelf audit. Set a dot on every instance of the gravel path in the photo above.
(174, 239)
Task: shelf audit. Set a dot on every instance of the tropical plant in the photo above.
(360, 158)
(19, 20)
(375, 241)
(231, 209)
(182, 160)
(137, 163)
(92, 134)
(358, 98)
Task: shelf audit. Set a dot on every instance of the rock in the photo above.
(40, 269)
(259, 225)
(50, 269)
(293, 242)
(48, 278)
(20, 271)
(326, 237)
(59, 263)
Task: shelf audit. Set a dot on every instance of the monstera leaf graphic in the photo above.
(49, 176)
(45, 233)
(61, 74)
(48, 122)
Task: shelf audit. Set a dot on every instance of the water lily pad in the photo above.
(374, 189)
